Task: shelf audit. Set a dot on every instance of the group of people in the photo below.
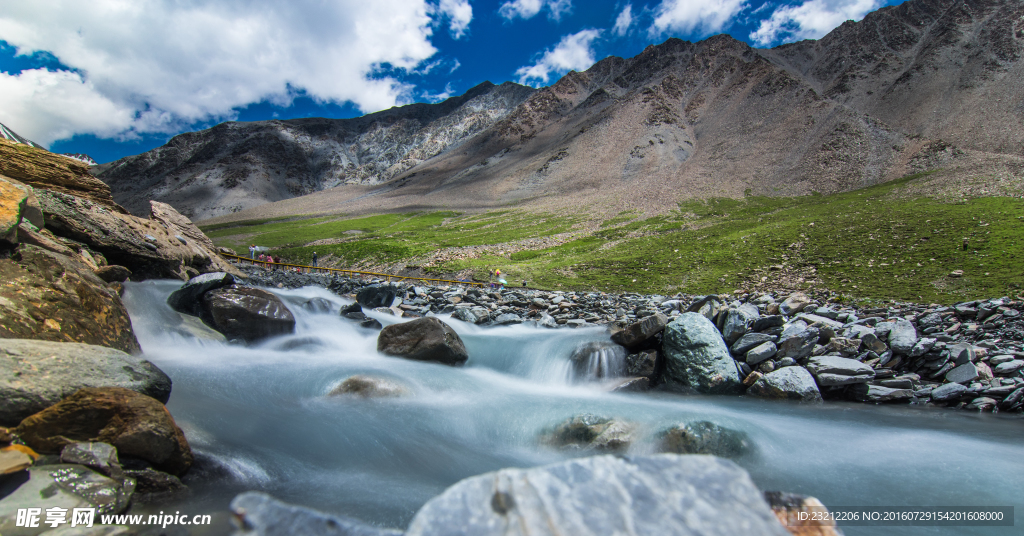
(499, 282)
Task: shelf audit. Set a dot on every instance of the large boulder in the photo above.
(696, 358)
(704, 437)
(604, 495)
(639, 332)
(188, 298)
(135, 424)
(247, 313)
(49, 296)
(830, 370)
(35, 375)
(791, 383)
(423, 339)
(259, 514)
(374, 296)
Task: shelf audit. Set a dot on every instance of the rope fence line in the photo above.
(321, 269)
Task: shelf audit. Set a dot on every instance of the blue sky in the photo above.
(110, 78)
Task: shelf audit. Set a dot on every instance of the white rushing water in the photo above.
(260, 414)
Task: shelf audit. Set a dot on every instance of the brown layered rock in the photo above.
(42, 169)
(53, 297)
(13, 199)
(423, 339)
(135, 424)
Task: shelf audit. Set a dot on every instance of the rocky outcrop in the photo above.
(40, 168)
(696, 357)
(423, 339)
(246, 313)
(35, 375)
(54, 297)
(710, 496)
(135, 424)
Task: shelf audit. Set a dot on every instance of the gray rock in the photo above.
(750, 340)
(962, 374)
(638, 333)
(150, 480)
(60, 486)
(873, 343)
(792, 383)
(1012, 399)
(902, 336)
(738, 321)
(922, 346)
(1009, 367)
(466, 315)
(604, 495)
(949, 391)
(100, 457)
(794, 303)
(634, 384)
(832, 370)
(643, 364)
(766, 322)
(188, 298)
(983, 403)
(704, 437)
(761, 353)
(259, 514)
(797, 341)
(35, 375)
(507, 319)
(878, 394)
(424, 339)
(696, 357)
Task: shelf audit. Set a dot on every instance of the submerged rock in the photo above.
(366, 386)
(598, 360)
(259, 514)
(424, 339)
(604, 495)
(35, 375)
(696, 357)
(135, 424)
(245, 313)
(704, 437)
(590, 432)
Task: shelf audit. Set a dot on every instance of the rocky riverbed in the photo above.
(795, 346)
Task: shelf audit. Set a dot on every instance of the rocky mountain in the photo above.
(11, 135)
(926, 84)
(234, 166)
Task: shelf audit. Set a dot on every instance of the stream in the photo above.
(257, 418)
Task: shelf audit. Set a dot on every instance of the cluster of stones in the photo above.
(967, 355)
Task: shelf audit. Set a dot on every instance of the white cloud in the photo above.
(624, 21)
(459, 14)
(688, 16)
(573, 53)
(527, 9)
(155, 65)
(810, 20)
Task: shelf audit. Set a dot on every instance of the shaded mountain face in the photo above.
(234, 166)
(908, 88)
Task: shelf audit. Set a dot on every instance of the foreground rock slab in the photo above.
(135, 424)
(259, 514)
(604, 495)
(423, 339)
(35, 375)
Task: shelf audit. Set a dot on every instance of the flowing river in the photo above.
(258, 419)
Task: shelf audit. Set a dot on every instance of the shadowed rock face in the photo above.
(245, 313)
(681, 119)
(423, 339)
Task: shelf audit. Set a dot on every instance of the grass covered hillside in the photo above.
(875, 243)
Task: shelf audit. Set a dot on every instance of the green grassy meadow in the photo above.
(866, 244)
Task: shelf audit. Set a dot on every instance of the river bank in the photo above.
(965, 356)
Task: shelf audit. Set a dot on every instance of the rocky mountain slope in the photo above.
(929, 83)
(233, 166)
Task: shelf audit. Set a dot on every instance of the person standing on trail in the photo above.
(252, 252)
(314, 259)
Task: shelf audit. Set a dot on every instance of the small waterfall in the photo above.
(597, 360)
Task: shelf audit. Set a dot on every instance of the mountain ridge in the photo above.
(910, 87)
